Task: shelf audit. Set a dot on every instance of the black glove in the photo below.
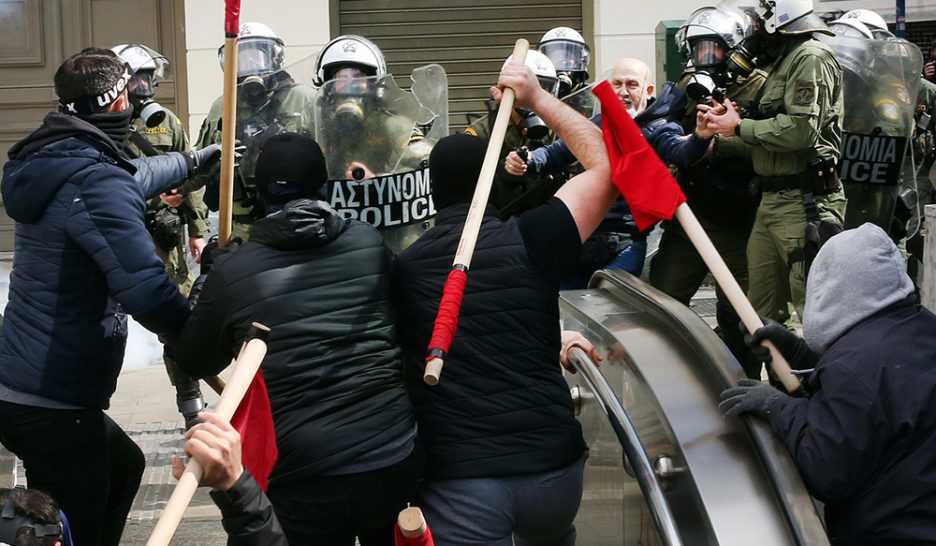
(200, 161)
(790, 345)
(750, 396)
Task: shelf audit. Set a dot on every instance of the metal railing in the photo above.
(633, 449)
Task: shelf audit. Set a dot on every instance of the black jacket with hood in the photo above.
(82, 259)
(333, 369)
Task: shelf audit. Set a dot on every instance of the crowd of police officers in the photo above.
(818, 125)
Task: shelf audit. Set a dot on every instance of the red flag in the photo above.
(231, 17)
(646, 184)
(253, 420)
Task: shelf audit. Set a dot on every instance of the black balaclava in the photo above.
(454, 167)
(289, 166)
(116, 125)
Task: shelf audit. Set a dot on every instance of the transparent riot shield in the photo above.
(376, 139)
(880, 82)
(583, 101)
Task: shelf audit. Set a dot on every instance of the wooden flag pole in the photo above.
(228, 125)
(245, 368)
(733, 291)
(479, 201)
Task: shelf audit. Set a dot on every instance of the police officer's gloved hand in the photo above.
(750, 396)
(200, 161)
(790, 345)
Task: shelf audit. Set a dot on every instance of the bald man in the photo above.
(617, 243)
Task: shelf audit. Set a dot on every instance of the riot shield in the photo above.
(376, 139)
(583, 101)
(880, 83)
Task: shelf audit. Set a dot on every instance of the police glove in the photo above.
(790, 345)
(200, 161)
(750, 396)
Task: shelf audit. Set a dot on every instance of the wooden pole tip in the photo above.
(412, 523)
(433, 371)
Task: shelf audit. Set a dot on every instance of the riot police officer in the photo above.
(793, 147)
(269, 102)
(718, 189)
(155, 130)
(569, 53)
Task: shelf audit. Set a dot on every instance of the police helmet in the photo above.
(789, 17)
(259, 50)
(709, 33)
(566, 48)
(850, 28)
(866, 17)
(543, 68)
(146, 66)
(139, 57)
(346, 51)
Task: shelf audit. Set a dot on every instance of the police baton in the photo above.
(245, 368)
(446, 322)
(724, 278)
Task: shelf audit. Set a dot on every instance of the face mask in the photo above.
(115, 125)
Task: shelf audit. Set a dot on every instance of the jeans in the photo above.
(631, 259)
(333, 510)
(526, 510)
(83, 460)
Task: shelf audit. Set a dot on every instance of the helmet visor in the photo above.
(142, 84)
(255, 56)
(707, 53)
(350, 81)
(549, 83)
(566, 55)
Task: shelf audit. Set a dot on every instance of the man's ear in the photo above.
(120, 104)
(650, 90)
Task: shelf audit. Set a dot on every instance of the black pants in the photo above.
(83, 460)
(332, 510)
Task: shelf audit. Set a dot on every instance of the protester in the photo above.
(500, 424)
(345, 429)
(246, 513)
(865, 439)
(83, 261)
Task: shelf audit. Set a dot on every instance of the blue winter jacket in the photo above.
(82, 259)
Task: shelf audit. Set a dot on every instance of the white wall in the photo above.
(916, 10)
(302, 24)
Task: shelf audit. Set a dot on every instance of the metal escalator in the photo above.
(702, 479)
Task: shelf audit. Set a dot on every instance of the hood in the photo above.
(670, 103)
(856, 274)
(30, 181)
(303, 223)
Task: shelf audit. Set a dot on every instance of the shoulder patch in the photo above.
(804, 92)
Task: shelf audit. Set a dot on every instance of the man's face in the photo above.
(631, 83)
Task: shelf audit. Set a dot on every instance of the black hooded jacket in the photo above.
(333, 369)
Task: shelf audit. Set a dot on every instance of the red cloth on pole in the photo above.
(646, 184)
(424, 539)
(253, 420)
(231, 17)
(446, 322)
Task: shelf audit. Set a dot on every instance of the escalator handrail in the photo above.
(633, 448)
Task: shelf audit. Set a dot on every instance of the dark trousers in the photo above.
(83, 460)
(333, 510)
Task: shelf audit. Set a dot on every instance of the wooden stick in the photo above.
(733, 291)
(479, 201)
(216, 383)
(245, 368)
(412, 523)
(228, 125)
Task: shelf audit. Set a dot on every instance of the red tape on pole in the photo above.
(231, 18)
(446, 322)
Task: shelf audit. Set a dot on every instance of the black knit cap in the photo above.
(289, 166)
(454, 166)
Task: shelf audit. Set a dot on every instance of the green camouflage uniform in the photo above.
(800, 118)
(290, 110)
(507, 187)
(677, 269)
(169, 136)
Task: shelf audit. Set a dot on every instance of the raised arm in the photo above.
(589, 195)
